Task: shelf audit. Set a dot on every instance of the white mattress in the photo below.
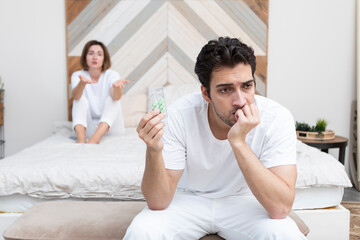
(317, 197)
(18, 203)
(305, 198)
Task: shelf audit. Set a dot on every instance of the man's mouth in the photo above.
(236, 116)
(235, 111)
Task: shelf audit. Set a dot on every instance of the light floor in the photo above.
(351, 194)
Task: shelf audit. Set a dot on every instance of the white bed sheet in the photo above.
(59, 168)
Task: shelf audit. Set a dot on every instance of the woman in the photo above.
(96, 91)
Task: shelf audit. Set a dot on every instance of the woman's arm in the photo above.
(78, 90)
(116, 89)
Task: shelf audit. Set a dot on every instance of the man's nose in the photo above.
(239, 99)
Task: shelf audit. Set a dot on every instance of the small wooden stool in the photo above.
(77, 220)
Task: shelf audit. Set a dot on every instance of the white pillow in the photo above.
(174, 92)
(134, 107)
(316, 168)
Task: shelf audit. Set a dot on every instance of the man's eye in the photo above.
(225, 90)
(247, 86)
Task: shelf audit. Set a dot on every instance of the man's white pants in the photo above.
(191, 217)
(112, 116)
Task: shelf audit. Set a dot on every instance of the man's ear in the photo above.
(205, 94)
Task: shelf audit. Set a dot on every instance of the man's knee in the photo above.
(146, 225)
(278, 229)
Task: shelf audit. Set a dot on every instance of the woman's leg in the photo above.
(100, 131)
(80, 111)
(118, 125)
(80, 133)
(111, 121)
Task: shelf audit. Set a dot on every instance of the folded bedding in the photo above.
(318, 169)
(58, 168)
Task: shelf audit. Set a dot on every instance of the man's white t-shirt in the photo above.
(96, 93)
(210, 167)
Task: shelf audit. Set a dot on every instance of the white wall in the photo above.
(311, 63)
(33, 66)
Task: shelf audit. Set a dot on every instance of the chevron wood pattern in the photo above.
(155, 42)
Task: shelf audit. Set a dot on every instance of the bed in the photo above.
(57, 169)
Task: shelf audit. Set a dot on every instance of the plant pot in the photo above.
(327, 135)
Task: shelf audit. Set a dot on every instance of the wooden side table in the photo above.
(324, 145)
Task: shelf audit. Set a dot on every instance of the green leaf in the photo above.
(320, 125)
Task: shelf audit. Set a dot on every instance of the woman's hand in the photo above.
(151, 129)
(116, 89)
(85, 80)
(120, 83)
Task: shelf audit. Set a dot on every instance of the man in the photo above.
(223, 161)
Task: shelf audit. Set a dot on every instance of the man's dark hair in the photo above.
(224, 52)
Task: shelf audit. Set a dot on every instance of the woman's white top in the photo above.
(96, 93)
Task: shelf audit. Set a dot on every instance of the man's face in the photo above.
(230, 89)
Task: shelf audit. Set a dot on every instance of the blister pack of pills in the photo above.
(156, 100)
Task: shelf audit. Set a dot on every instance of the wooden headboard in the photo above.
(156, 42)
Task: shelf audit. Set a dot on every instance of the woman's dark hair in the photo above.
(224, 52)
(107, 62)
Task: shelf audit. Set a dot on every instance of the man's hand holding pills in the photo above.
(151, 129)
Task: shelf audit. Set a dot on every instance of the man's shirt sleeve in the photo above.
(174, 151)
(279, 146)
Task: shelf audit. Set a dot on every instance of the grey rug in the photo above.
(354, 208)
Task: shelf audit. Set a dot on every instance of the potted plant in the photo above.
(317, 132)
